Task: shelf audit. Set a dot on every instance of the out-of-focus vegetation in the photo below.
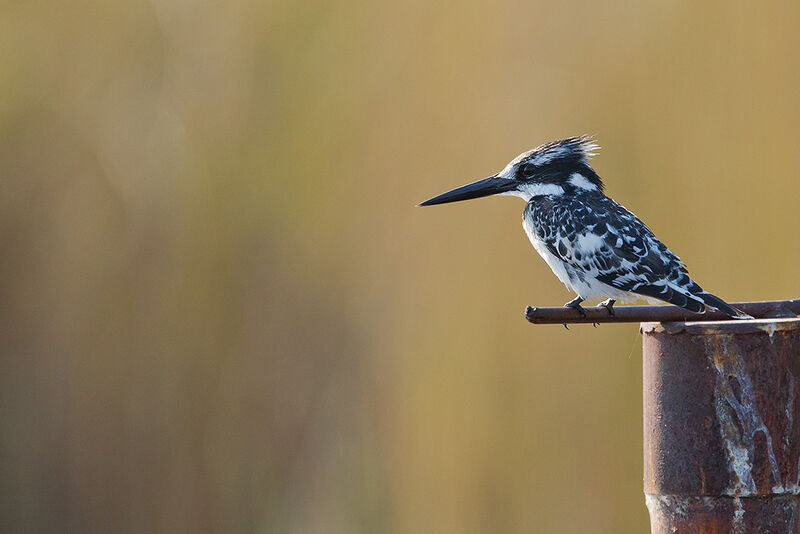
(221, 311)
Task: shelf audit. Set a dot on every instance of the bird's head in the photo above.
(555, 168)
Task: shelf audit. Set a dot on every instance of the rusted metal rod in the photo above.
(637, 314)
(722, 426)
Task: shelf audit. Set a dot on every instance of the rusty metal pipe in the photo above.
(637, 314)
(722, 426)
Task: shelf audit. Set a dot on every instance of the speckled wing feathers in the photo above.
(598, 239)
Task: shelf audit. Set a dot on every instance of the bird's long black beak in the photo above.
(482, 188)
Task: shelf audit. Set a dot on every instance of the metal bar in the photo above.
(722, 426)
(637, 314)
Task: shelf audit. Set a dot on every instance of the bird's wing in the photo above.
(605, 241)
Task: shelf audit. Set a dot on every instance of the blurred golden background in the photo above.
(222, 311)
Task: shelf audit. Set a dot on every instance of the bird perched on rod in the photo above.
(595, 246)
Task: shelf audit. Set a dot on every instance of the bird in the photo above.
(595, 246)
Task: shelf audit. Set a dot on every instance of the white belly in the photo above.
(589, 288)
(556, 265)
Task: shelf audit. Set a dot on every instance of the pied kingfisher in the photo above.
(596, 247)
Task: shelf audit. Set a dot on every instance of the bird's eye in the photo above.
(528, 170)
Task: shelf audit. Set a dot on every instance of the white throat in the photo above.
(528, 191)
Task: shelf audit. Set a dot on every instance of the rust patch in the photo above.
(722, 450)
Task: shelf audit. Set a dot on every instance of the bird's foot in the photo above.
(576, 304)
(609, 305)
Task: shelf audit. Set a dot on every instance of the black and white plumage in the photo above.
(595, 246)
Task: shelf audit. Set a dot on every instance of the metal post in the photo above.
(722, 426)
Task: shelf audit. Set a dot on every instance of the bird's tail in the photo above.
(719, 304)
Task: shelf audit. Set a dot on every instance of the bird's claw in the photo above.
(576, 304)
(609, 305)
(579, 308)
